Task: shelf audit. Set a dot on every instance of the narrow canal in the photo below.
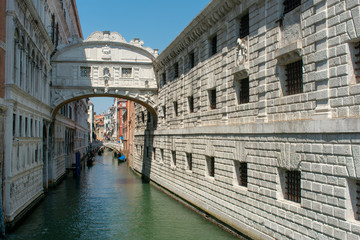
(110, 202)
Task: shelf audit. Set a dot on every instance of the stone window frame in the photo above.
(241, 174)
(85, 71)
(212, 98)
(356, 61)
(173, 159)
(176, 70)
(353, 199)
(191, 58)
(191, 104)
(242, 21)
(189, 161)
(126, 75)
(210, 167)
(163, 78)
(161, 159)
(242, 89)
(213, 45)
(164, 111)
(292, 84)
(285, 56)
(176, 108)
(290, 183)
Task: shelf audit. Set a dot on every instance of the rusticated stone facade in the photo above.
(260, 128)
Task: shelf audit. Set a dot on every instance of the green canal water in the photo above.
(109, 201)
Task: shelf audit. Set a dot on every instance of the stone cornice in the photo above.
(328, 126)
(212, 13)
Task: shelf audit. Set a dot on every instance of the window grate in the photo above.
(293, 186)
(213, 45)
(191, 104)
(243, 174)
(176, 108)
(176, 70)
(244, 26)
(189, 161)
(163, 77)
(192, 59)
(357, 62)
(173, 154)
(212, 98)
(294, 80)
(290, 5)
(244, 91)
(211, 166)
(126, 72)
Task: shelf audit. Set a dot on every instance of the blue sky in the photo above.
(156, 22)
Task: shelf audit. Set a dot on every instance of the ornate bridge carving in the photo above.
(104, 65)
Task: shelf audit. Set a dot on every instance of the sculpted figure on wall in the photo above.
(241, 52)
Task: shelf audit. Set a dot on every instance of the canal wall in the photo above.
(258, 120)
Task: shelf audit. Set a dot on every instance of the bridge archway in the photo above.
(104, 65)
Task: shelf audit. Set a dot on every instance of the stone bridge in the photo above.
(104, 65)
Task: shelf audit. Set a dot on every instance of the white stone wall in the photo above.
(315, 132)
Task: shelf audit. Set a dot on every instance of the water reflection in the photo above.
(111, 202)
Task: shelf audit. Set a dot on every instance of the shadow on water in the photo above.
(148, 147)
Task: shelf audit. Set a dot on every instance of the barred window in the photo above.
(126, 72)
(357, 62)
(213, 45)
(176, 70)
(241, 169)
(191, 104)
(173, 158)
(212, 98)
(293, 186)
(294, 79)
(176, 108)
(189, 161)
(163, 78)
(210, 166)
(244, 26)
(243, 91)
(192, 59)
(85, 71)
(164, 111)
(290, 5)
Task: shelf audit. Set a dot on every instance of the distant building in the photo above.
(91, 121)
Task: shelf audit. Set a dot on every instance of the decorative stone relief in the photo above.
(239, 152)
(288, 157)
(242, 52)
(209, 149)
(106, 53)
(188, 147)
